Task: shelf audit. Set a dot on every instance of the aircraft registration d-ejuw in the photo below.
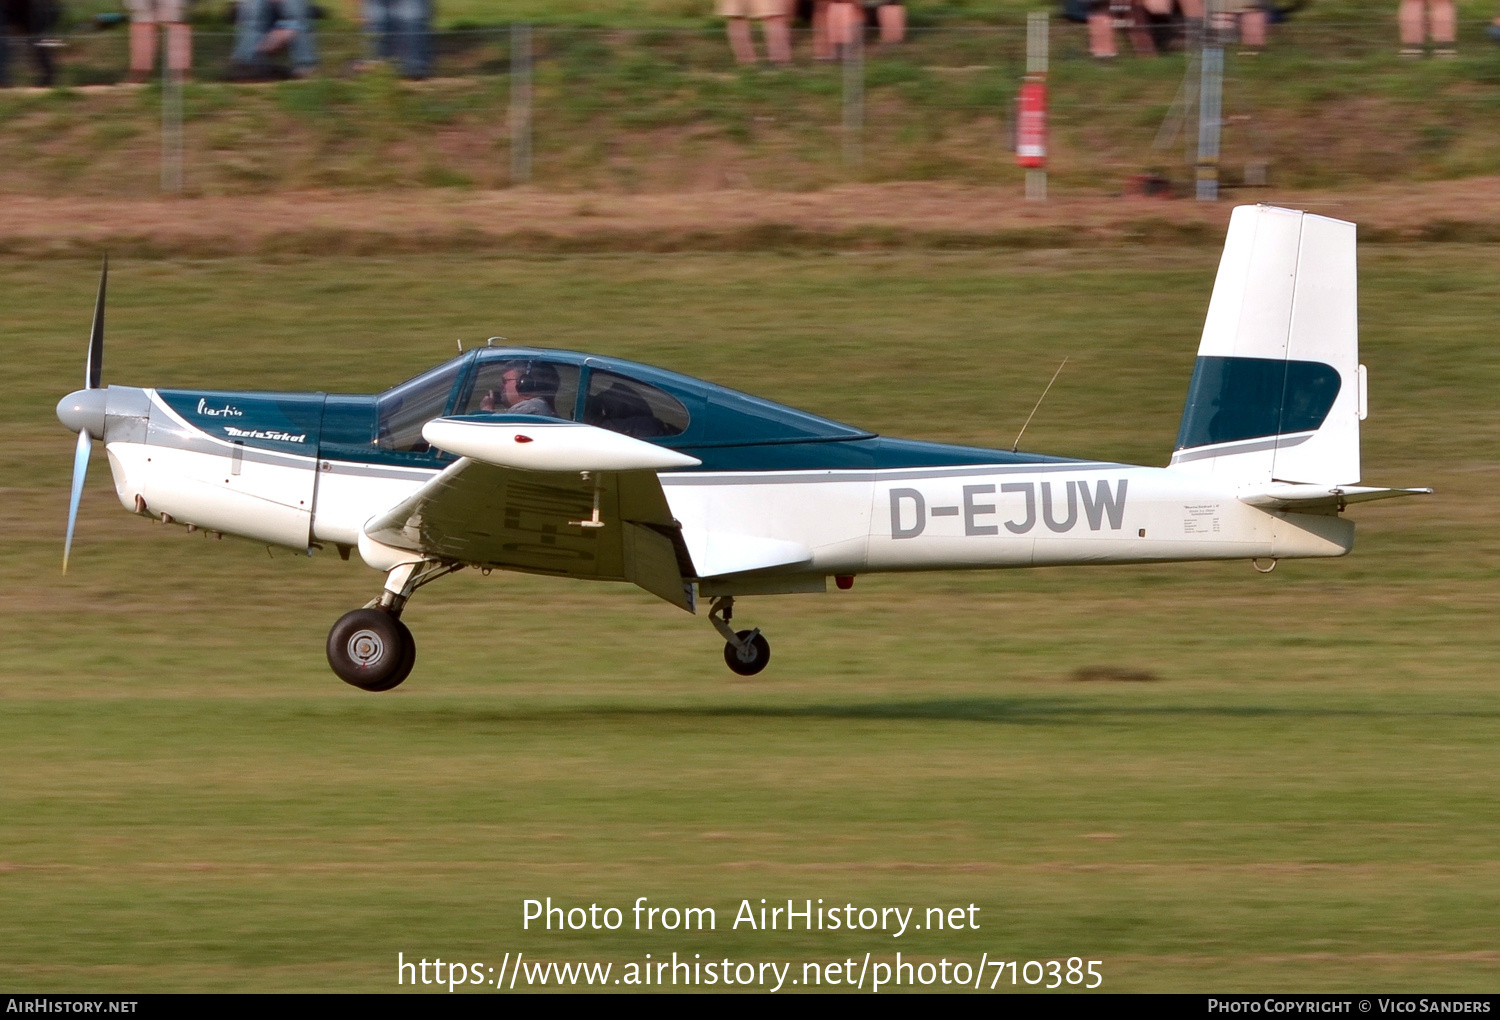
(571, 465)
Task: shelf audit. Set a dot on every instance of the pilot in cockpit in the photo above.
(526, 387)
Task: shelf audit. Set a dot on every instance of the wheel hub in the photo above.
(366, 648)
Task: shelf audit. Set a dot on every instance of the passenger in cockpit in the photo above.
(621, 408)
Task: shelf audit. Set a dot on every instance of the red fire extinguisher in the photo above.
(1031, 124)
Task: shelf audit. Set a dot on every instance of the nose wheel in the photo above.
(746, 652)
(371, 649)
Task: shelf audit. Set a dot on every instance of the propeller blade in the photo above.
(80, 469)
(96, 338)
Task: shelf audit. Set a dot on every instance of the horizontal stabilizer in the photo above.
(1307, 498)
(541, 444)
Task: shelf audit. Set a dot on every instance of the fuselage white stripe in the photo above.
(886, 474)
(1285, 442)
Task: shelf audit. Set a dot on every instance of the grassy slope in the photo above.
(1328, 104)
(1305, 799)
(683, 13)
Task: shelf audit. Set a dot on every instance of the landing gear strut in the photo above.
(745, 651)
(370, 647)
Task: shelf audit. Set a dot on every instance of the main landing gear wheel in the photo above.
(371, 649)
(751, 656)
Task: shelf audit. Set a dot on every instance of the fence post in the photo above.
(1031, 139)
(1210, 104)
(854, 94)
(520, 103)
(171, 119)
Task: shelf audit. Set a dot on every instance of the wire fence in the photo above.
(583, 105)
(99, 56)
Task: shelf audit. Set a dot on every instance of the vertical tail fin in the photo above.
(1278, 391)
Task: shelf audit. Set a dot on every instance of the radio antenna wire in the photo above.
(1016, 445)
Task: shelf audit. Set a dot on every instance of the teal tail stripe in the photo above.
(1231, 399)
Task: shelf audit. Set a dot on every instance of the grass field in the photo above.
(1304, 796)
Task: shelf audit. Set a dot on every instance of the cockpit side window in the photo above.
(632, 408)
(403, 410)
(523, 386)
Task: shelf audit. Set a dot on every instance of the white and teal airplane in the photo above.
(553, 462)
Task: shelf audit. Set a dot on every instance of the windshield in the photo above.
(404, 409)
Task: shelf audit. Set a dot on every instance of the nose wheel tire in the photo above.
(752, 655)
(371, 649)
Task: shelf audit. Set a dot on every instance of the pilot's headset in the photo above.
(536, 378)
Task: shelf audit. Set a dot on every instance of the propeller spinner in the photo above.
(83, 410)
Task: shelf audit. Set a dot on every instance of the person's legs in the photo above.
(842, 18)
(1253, 29)
(275, 40)
(740, 41)
(1161, 24)
(822, 44)
(380, 24)
(1444, 22)
(778, 39)
(42, 17)
(179, 47)
(249, 26)
(736, 15)
(1102, 35)
(304, 45)
(1410, 17)
(1141, 41)
(892, 22)
(412, 23)
(142, 49)
(41, 56)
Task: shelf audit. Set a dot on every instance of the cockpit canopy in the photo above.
(636, 400)
(402, 410)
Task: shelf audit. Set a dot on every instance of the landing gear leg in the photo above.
(370, 647)
(745, 651)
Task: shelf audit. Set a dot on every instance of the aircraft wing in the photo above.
(1321, 498)
(537, 520)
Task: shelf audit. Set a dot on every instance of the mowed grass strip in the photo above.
(1297, 792)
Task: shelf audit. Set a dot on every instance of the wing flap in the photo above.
(651, 563)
